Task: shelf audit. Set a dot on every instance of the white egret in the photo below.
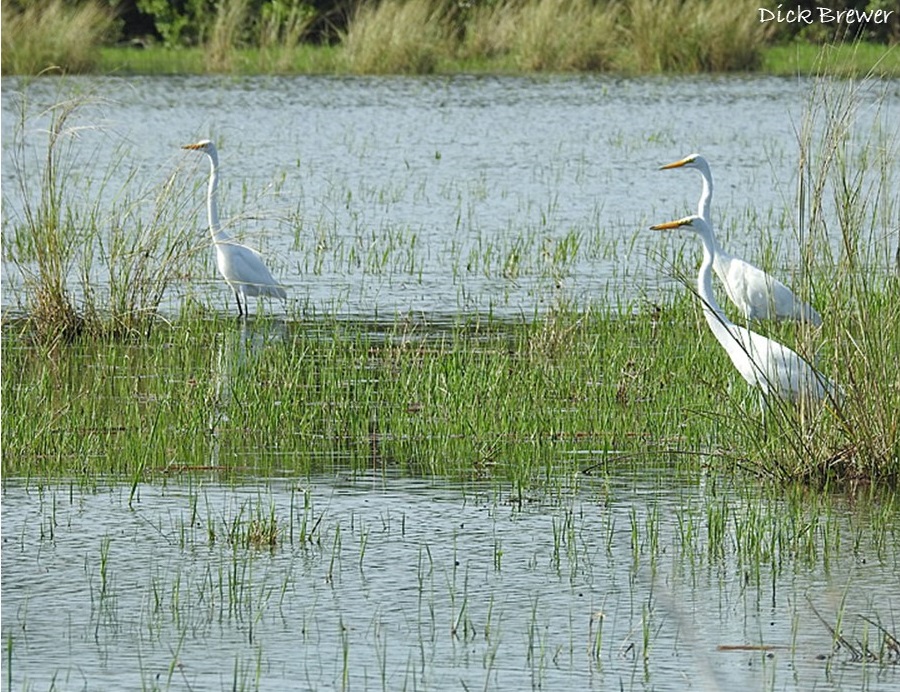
(764, 363)
(756, 294)
(241, 267)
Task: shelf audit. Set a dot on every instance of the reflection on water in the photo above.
(388, 583)
(237, 350)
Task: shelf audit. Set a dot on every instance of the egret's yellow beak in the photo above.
(677, 164)
(670, 225)
(192, 146)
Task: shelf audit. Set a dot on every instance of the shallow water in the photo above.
(451, 194)
(442, 196)
(386, 583)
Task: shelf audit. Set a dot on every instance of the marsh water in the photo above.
(633, 582)
(445, 195)
(373, 197)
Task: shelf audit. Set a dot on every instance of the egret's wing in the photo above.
(243, 265)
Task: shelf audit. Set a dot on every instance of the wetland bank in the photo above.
(487, 442)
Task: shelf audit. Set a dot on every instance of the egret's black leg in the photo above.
(237, 297)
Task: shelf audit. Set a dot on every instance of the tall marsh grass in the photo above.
(848, 227)
(691, 35)
(61, 232)
(48, 234)
(417, 36)
(54, 33)
(239, 41)
(225, 35)
(397, 36)
(282, 27)
(544, 35)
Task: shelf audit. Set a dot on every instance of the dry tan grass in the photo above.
(52, 33)
(413, 36)
(691, 36)
(545, 35)
(398, 36)
(219, 50)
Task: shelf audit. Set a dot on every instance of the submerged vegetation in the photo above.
(421, 37)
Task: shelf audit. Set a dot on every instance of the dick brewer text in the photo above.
(823, 15)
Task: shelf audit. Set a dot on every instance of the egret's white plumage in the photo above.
(241, 267)
(756, 294)
(764, 363)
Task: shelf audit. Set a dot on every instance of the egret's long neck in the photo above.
(715, 317)
(704, 206)
(212, 208)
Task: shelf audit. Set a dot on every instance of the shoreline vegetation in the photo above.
(439, 37)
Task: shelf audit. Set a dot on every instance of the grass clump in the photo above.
(225, 35)
(233, 37)
(397, 36)
(847, 182)
(257, 531)
(64, 233)
(53, 33)
(847, 187)
(544, 35)
(692, 36)
(282, 28)
(269, 42)
(45, 245)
